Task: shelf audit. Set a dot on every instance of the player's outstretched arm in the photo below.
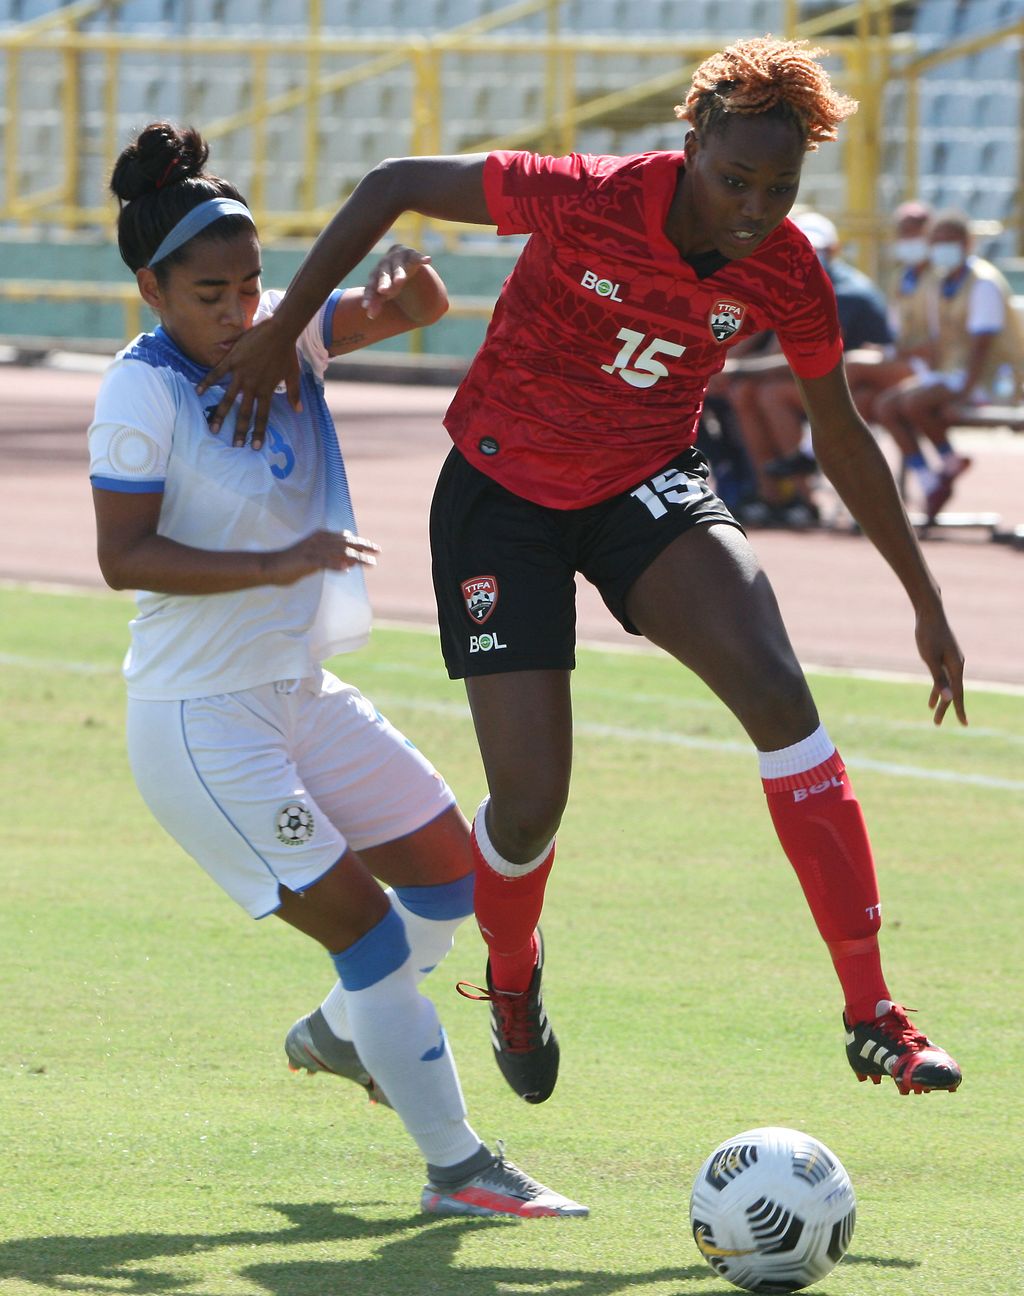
(402, 292)
(134, 555)
(850, 458)
(447, 188)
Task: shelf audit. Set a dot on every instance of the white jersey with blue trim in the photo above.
(150, 433)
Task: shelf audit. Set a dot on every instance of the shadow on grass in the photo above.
(417, 1254)
(880, 1262)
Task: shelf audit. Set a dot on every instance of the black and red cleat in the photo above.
(891, 1046)
(525, 1047)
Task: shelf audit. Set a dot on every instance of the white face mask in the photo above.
(911, 251)
(947, 257)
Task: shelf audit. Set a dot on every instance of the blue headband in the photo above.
(196, 220)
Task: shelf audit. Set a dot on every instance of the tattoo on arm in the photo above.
(350, 339)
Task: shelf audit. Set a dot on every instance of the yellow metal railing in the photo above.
(555, 55)
(35, 290)
(869, 59)
(126, 296)
(915, 66)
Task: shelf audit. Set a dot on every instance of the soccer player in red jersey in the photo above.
(574, 453)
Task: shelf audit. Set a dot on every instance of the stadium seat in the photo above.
(935, 21)
(28, 10)
(1000, 107)
(1000, 157)
(996, 63)
(986, 15)
(455, 13)
(136, 14)
(602, 17)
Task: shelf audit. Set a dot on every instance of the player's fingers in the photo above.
(259, 428)
(359, 544)
(217, 372)
(351, 556)
(399, 278)
(940, 701)
(243, 417)
(224, 406)
(372, 303)
(955, 675)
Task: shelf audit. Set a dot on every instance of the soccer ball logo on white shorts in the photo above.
(295, 824)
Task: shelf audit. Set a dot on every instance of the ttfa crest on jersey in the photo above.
(481, 595)
(726, 320)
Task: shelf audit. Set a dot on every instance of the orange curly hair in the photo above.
(767, 75)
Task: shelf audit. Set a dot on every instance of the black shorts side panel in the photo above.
(504, 577)
(630, 530)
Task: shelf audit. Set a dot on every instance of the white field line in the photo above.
(669, 701)
(621, 733)
(659, 738)
(595, 645)
(591, 729)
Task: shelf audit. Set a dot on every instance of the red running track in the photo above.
(843, 606)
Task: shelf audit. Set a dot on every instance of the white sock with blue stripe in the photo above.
(402, 1043)
(431, 915)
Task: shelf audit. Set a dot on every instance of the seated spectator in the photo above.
(768, 402)
(910, 311)
(720, 440)
(978, 355)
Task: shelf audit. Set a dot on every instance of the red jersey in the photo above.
(593, 371)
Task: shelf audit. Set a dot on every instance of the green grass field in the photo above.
(155, 1142)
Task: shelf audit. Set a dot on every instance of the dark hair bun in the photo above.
(162, 155)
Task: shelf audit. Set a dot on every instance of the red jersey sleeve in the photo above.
(807, 323)
(522, 189)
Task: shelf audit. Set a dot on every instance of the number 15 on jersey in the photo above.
(645, 370)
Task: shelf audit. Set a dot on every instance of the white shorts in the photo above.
(269, 786)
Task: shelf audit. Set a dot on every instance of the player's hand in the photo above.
(321, 551)
(390, 276)
(258, 362)
(941, 654)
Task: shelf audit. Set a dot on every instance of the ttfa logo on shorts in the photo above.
(481, 597)
(726, 320)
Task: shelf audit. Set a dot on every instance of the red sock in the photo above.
(507, 912)
(821, 828)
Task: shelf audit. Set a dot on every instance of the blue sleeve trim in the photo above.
(446, 901)
(374, 956)
(150, 487)
(328, 324)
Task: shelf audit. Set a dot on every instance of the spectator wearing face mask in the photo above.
(978, 355)
(910, 312)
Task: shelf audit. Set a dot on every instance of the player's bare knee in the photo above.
(521, 827)
(780, 711)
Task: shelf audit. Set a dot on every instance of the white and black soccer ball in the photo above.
(295, 824)
(772, 1210)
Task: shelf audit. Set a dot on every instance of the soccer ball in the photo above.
(772, 1210)
(295, 824)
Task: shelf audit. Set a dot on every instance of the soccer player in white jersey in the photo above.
(284, 783)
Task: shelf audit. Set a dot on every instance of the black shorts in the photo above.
(504, 568)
